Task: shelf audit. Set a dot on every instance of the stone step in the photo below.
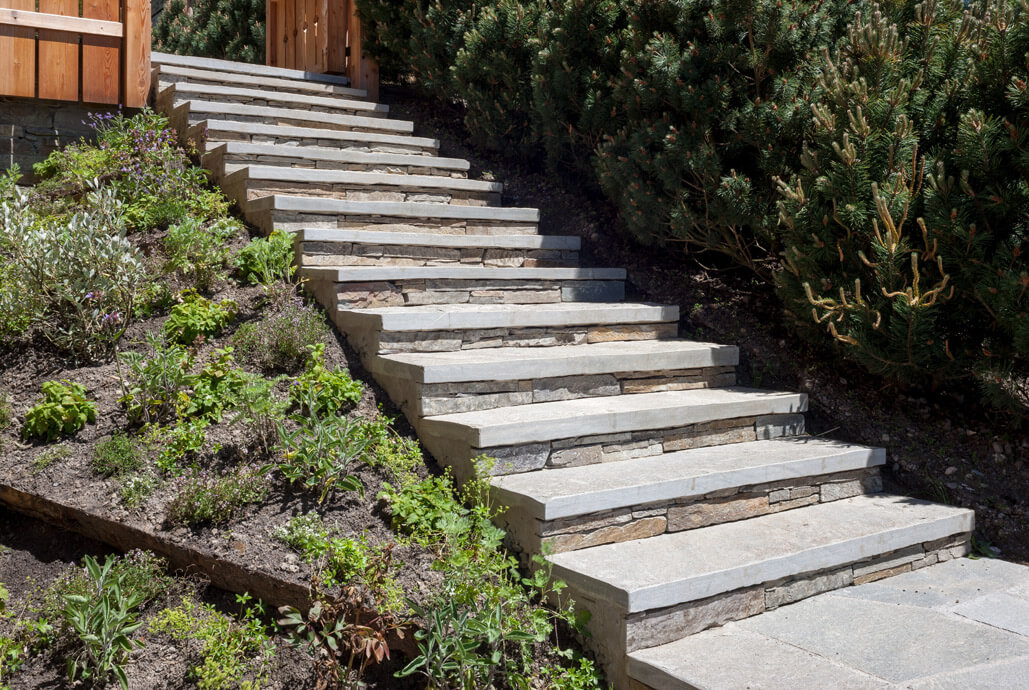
(361, 287)
(443, 328)
(176, 74)
(223, 158)
(232, 67)
(256, 181)
(294, 213)
(181, 92)
(552, 434)
(192, 112)
(582, 506)
(317, 247)
(435, 383)
(653, 591)
(206, 133)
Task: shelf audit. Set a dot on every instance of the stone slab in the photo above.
(554, 494)
(157, 58)
(393, 209)
(999, 609)
(1010, 674)
(486, 316)
(204, 109)
(567, 243)
(609, 415)
(348, 274)
(215, 127)
(357, 177)
(696, 564)
(319, 153)
(183, 91)
(253, 80)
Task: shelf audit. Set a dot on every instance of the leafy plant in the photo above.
(197, 316)
(203, 497)
(173, 444)
(217, 388)
(158, 377)
(199, 250)
(6, 413)
(63, 409)
(259, 410)
(49, 456)
(103, 620)
(230, 649)
(281, 340)
(136, 488)
(321, 391)
(116, 455)
(399, 456)
(265, 260)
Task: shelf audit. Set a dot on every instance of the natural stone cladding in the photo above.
(585, 450)
(293, 221)
(728, 505)
(355, 166)
(398, 293)
(356, 254)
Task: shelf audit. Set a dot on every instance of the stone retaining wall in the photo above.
(292, 221)
(31, 129)
(397, 293)
(355, 254)
(256, 189)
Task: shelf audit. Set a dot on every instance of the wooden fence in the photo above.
(97, 54)
(319, 36)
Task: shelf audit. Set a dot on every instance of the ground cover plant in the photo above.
(221, 414)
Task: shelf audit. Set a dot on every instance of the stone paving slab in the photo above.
(428, 239)
(313, 119)
(389, 272)
(325, 154)
(356, 177)
(549, 421)
(574, 360)
(693, 565)
(246, 68)
(393, 209)
(183, 91)
(253, 80)
(554, 494)
(216, 128)
(909, 631)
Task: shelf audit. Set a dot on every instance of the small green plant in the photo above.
(266, 260)
(116, 455)
(64, 409)
(202, 497)
(49, 456)
(320, 453)
(103, 619)
(231, 650)
(258, 409)
(198, 250)
(323, 391)
(157, 378)
(137, 488)
(218, 387)
(6, 413)
(338, 559)
(399, 456)
(282, 338)
(171, 445)
(197, 316)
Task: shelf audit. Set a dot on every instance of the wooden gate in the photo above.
(97, 54)
(319, 36)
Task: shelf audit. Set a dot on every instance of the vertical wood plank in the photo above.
(280, 36)
(136, 53)
(289, 46)
(100, 56)
(336, 35)
(59, 55)
(17, 55)
(362, 70)
(311, 38)
(321, 35)
(270, 29)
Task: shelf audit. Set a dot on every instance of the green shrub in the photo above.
(259, 409)
(116, 455)
(199, 250)
(399, 456)
(74, 280)
(157, 381)
(265, 260)
(172, 445)
(197, 316)
(339, 560)
(63, 409)
(231, 650)
(320, 454)
(225, 29)
(321, 391)
(201, 497)
(217, 388)
(282, 338)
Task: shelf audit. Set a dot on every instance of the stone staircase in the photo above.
(668, 498)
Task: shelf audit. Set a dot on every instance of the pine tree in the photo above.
(226, 29)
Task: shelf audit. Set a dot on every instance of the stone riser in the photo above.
(357, 254)
(197, 138)
(586, 450)
(533, 536)
(291, 221)
(613, 636)
(234, 162)
(445, 398)
(163, 101)
(351, 192)
(398, 293)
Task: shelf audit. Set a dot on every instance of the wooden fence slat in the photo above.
(59, 55)
(17, 55)
(59, 22)
(335, 35)
(362, 70)
(289, 44)
(271, 31)
(101, 64)
(311, 35)
(322, 35)
(299, 41)
(136, 56)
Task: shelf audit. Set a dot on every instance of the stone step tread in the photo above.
(567, 243)
(358, 177)
(320, 154)
(205, 109)
(393, 209)
(352, 274)
(507, 364)
(233, 67)
(577, 491)
(438, 317)
(216, 126)
(680, 567)
(549, 421)
(183, 91)
(253, 81)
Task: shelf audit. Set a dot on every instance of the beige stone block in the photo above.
(603, 334)
(882, 574)
(639, 529)
(361, 295)
(700, 439)
(697, 515)
(794, 503)
(586, 523)
(795, 591)
(834, 491)
(652, 628)
(576, 457)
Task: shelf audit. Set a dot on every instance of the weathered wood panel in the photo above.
(59, 55)
(101, 56)
(17, 54)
